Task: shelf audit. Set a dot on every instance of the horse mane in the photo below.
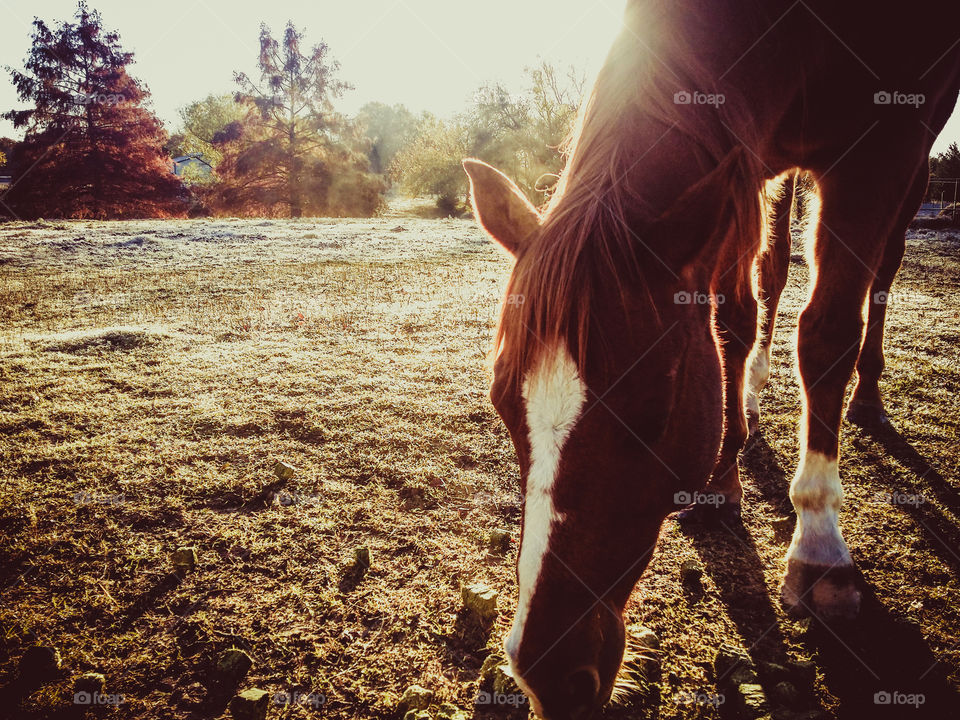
(586, 243)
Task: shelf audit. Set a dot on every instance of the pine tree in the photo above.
(91, 149)
(294, 154)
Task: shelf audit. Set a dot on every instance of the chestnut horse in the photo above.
(621, 376)
(866, 406)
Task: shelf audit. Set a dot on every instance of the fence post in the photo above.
(953, 215)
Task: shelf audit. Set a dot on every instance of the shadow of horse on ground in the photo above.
(730, 558)
(877, 666)
(760, 460)
(880, 666)
(941, 531)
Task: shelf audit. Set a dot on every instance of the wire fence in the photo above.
(941, 199)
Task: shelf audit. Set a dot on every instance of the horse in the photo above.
(866, 407)
(620, 377)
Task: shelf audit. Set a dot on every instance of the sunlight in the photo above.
(426, 54)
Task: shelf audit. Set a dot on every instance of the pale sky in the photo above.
(427, 54)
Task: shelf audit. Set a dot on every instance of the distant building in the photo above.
(5, 181)
(194, 162)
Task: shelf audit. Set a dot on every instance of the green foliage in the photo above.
(8, 152)
(430, 163)
(389, 128)
(196, 174)
(522, 135)
(202, 121)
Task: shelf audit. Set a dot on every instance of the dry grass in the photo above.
(152, 373)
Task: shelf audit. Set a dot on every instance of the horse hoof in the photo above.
(753, 422)
(828, 594)
(709, 514)
(867, 416)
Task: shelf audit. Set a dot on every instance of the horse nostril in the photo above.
(583, 686)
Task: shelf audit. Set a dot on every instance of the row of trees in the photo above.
(93, 148)
(946, 164)
(421, 154)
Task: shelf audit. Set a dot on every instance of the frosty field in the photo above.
(153, 372)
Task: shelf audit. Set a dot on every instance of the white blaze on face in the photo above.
(554, 396)
(816, 494)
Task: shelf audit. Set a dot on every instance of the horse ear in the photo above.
(500, 207)
(703, 209)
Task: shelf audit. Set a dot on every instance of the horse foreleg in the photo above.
(820, 574)
(866, 405)
(735, 325)
(772, 266)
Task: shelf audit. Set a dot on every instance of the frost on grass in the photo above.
(148, 388)
(142, 244)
